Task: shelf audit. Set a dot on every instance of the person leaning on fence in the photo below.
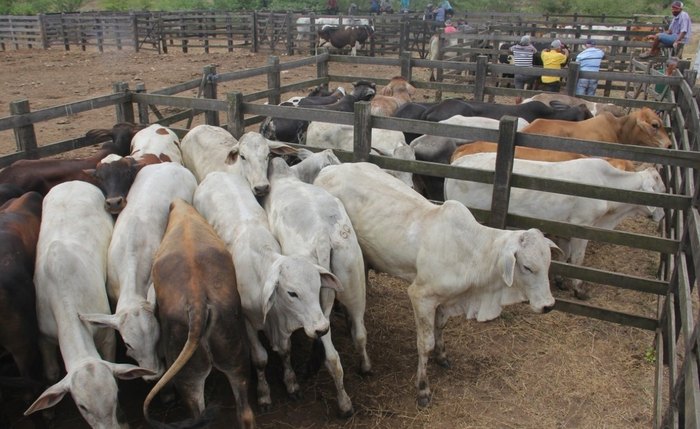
(589, 60)
(554, 58)
(522, 57)
(374, 6)
(678, 32)
(449, 27)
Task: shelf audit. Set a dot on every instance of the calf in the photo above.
(41, 175)
(354, 37)
(455, 265)
(279, 294)
(200, 313)
(70, 280)
(642, 127)
(19, 230)
(559, 207)
(138, 232)
(324, 235)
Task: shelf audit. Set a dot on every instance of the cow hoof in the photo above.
(582, 292)
(423, 400)
(296, 396)
(265, 408)
(366, 373)
(444, 362)
(346, 414)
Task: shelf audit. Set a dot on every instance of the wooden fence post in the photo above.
(611, 67)
(135, 30)
(42, 28)
(66, 42)
(274, 78)
(572, 78)
(480, 78)
(124, 110)
(322, 67)
(403, 37)
(209, 92)
(312, 33)
(229, 32)
(362, 132)
(235, 117)
(142, 107)
(254, 45)
(290, 33)
(507, 132)
(25, 137)
(406, 70)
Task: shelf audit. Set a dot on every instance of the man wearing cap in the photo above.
(678, 31)
(589, 60)
(522, 57)
(554, 58)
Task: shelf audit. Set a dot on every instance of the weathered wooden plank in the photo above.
(605, 314)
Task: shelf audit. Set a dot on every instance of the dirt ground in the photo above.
(521, 370)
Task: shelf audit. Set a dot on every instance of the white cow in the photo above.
(455, 265)
(138, 232)
(70, 279)
(159, 141)
(309, 222)
(208, 148)
(309, 167)
(559, 207)
(384, 142)
(279, 294)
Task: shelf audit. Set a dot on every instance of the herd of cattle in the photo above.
(189, 249)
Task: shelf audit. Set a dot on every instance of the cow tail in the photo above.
(198, 317)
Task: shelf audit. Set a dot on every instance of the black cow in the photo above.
(412, 110)
(354, 37)
(293, 130)
(450, 107)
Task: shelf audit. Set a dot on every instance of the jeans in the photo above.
(586, 86)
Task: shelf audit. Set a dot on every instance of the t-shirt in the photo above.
(522, 55)
(679, 24)
(590, 59)
(552, 59)
(450, 29)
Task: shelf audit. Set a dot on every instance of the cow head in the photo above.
(649, 129)
(364, 90)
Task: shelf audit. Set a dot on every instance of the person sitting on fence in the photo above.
(589, 60)
(386, 7)
(449, 12)
(678, 32)
(449, 27)
(429, 13)
(522, 57)
(332, 7)
(440, 14)
(374, 6)
(554, 58)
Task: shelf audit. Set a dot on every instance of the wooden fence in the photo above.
(271, 31)
(677, 331)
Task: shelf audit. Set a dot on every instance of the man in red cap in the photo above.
(678, 31)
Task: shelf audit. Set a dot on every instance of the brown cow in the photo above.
(535, 154)
(394, 95)
(355, 37)
(20, 219)
(41, 175)
(200, 314)
(642, 127)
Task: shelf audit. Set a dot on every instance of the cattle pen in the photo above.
(677, 391)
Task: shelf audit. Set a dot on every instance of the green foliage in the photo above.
(650, 355)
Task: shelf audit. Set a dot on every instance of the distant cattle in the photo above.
(560, 207)
(528, 111)
(303, 24)
(70, 280)
(339, 38)
(20, 219)
(456, 266)
(642, 127)
(200, 315)
(41, 175)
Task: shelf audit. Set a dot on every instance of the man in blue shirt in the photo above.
(589, 60)
(678, 31)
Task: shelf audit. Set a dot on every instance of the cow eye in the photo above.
(128, 346)
(528, 269)
(293, 294)
(242, 157)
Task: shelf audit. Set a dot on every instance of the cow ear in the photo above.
(329, 280)
(508, 265)
(268, 291)
(232, 156)
(50, 397)
(101, 320)
(90, 172)
(127, 371)
(281, 148)
(555, 249)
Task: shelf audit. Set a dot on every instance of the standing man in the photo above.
(589, 59)
(554, 58)
(522, 57)
(678, 31)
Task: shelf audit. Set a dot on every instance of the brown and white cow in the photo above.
(200, 313)
(354, 37)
